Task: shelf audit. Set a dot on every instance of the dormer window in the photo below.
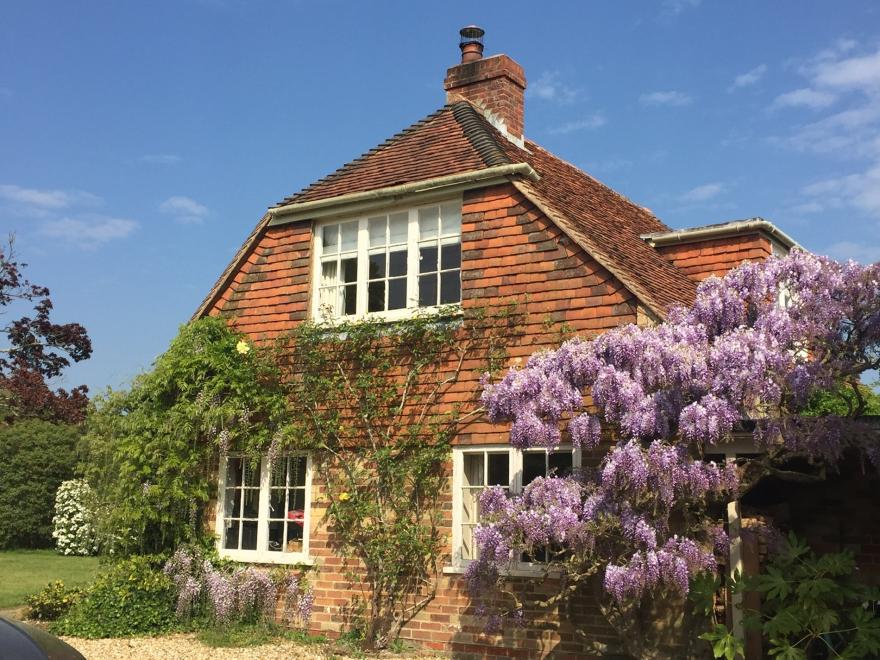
(389, 263)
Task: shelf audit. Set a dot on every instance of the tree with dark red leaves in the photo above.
(37, 349)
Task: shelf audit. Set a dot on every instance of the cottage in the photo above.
(459, 208)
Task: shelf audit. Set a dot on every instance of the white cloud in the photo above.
(859, 191)
(702, 193)
(808, 207)
(160, 159)
(805, 97)
(748, 78)
(843, 250)
(43, 200)
(853, 73)
(670, 98)
(549, 87)
(589, 123)
(184, 209)
(88, 231)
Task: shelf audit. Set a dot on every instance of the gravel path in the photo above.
(187, 647)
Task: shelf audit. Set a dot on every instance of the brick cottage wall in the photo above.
(510, 252)
(700, 259)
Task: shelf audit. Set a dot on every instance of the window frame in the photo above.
(363, 252)
(260, 555)
(515, 487)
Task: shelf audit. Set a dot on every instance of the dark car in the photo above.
(19, 641)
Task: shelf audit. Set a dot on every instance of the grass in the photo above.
(24, 572)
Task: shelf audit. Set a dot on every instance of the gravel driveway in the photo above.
(187, 647)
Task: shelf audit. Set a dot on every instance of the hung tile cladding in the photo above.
(462, 208)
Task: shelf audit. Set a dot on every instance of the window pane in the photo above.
(349, 236)
(232, 503)
(427, 258)
(277, 508)
(297, 498)
(276, 534)
(450, 256)
(560, 463)
(533, 467)
(397, 293)
(328, 298)
(233, 472)
(428, 220)
(249, 535)
(349, 270)
(251, 503)
(499, 473)
(397, 263)
(377, 231)
(398, 225)
(330, 241)
(451, 219)
(231, 540)
(377, 266)
(279, 472)
(251, 472)
(473, 469)
(427, 290)
(349, 299)
(294, 538)
(376, 296)
(450, 287)
(328, 273)
(298, 471)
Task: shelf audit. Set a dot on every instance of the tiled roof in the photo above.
(442, 143)
(457, 138)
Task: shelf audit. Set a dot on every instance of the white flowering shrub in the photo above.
(74, 522)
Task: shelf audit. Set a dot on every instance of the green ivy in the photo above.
(131, 597)
(152, 450)
(52, 602)
(367, 398)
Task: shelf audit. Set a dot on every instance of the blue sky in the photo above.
(141, 142)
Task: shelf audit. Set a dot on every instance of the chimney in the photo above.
(495, 84)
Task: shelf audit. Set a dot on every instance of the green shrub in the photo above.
(37, 457)
(53, 602)
(131, 597)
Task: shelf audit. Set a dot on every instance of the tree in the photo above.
(760, 345)
(38, 349)
(37, 456)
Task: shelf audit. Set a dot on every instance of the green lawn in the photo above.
(23, 572)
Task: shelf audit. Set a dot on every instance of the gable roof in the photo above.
(458, 139)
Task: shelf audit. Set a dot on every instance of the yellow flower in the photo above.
(344, 497)
(243, 347)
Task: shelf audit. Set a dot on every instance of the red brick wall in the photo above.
(270, 292)
(496, 83)
(510, 251)
(716, 256)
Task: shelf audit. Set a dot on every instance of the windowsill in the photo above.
(452, 310)
(258, 557)
(519, 569)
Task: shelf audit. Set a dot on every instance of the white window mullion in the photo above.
(263, 519)
(363, 268)
(412, 265)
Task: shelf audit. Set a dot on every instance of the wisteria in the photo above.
(241, 594)
(753, 349)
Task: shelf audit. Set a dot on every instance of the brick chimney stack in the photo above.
(495, 84)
